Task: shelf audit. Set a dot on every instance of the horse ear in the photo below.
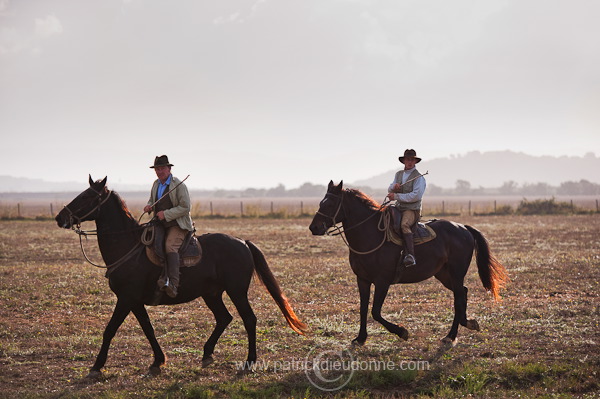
(103, 182)
(330, 184)
(91, 180)
(341, 184)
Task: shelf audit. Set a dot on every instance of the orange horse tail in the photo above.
(268, 279)
(491, 272)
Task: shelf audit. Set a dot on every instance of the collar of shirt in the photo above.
(162, 187)
(407, 173)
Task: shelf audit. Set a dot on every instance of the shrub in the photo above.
(544, 207)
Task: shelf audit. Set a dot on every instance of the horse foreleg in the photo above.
(381, 291)
(122, 309)
(139, 310)
(364, 290)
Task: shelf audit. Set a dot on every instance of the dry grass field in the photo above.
(540, 341)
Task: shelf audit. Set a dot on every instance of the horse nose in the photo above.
(314, 229)
(62, 221)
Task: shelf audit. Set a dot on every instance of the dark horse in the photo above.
(227, 265)
(373, 259)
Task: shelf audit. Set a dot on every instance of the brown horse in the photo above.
(373, 259)
(227, 265)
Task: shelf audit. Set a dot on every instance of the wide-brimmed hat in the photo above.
(408, 154)
(161, 160)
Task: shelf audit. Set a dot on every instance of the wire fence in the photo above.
(304, 207)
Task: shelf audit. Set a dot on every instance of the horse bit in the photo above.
(77, 229)
(339, 231)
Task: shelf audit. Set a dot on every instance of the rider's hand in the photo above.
(161, 215)
(391, 196)
(147, 208)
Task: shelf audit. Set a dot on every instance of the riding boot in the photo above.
(409, 260)
(173, 274)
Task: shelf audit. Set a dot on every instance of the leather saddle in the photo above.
(422, 233)
(153, 237)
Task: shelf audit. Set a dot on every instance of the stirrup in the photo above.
(166, 284)
(171, 291)
(409, 261)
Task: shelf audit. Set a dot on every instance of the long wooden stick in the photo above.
(169, 192)
(414, 178)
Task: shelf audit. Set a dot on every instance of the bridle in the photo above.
(335, 230)
(79, 219)
(334, 217)
(76, 227)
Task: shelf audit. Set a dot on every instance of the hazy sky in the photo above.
(253, 93)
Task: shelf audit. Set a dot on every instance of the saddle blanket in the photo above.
(190, 252)
(190, 256)
(422, 234)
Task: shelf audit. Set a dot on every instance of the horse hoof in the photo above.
(245, 371)
(248, 368)
(403, 333)
(473, 325)
(154, 371)
(447, 341)
(207, 361)
(94, 375)
(357, 342)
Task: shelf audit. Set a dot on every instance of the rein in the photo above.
(76, 227)
(384, 217)
(112, 266)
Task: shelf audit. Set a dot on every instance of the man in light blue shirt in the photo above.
(173, 212)
(407, 190)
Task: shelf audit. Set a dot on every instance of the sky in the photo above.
(256, 93)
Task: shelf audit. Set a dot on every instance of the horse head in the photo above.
(85, 206)
(329, 210)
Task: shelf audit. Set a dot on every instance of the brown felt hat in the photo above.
(408, 154)
(161, 160)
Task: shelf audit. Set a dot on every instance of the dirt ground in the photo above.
(540, 341)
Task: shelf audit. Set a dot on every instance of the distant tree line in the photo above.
(462, 187)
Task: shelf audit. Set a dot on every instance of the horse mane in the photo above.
(364, 198)
(123, 206)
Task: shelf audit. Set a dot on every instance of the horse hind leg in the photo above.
(241, 303)
(460, 306)
(471, 324)
(223, 318)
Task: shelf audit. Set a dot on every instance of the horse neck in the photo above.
(117, 231)
(360, 219)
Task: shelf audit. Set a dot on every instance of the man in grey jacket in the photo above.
(173, 211)
(407, 189)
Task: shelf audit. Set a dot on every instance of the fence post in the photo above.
(211, 209)
(572, 207)
(597, 209)
(469, 207)
(495, 207)
(443, 207)
(271, 207)
(19, 210)
(242, 208)
(51, 210)
(302, 207)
